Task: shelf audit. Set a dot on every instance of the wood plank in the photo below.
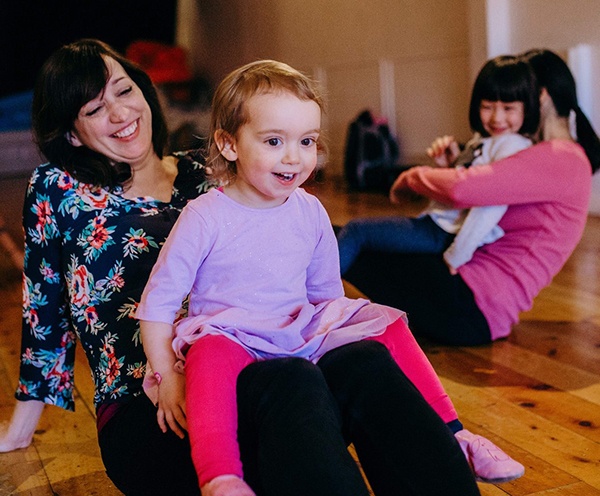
(559, 375)
(577, 489)
(486, 404)
(562, 453)
(560, 407)
(22, 473)
(564, 303)
(567, 342)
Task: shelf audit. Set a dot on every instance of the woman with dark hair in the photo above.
(53, 115)
(547, 190)
(94, 218)
(559, 100)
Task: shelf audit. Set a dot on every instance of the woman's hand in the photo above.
(444, 151)
(400, 193)
(18, 433)
(171, 403)
(226, 485)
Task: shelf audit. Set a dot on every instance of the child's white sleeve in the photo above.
(481, 223)
(479, 228)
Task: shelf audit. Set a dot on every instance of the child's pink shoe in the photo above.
(489, 463)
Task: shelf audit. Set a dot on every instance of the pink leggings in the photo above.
(213, 364)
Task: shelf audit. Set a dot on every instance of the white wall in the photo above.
(407, 60)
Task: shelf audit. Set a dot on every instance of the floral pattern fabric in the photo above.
(88, 255)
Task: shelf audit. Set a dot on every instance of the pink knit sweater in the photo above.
(547, 190)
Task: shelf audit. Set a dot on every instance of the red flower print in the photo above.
(91, 316)
(116, 281)
(138, 372)
(97, 198)
(99, 234)
(80, 285)
(23, 388)
(64, 381)
(140, 243)
(65, 182)
(98, 237)
(33, 318)
(44, 215)
(132, 314)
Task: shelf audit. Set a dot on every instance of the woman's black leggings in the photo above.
(439, 306)
(289, 433)
(295, 421)
(295, 442)
(402, 444)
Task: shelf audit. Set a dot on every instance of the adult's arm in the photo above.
(47, 340)
(548, 171)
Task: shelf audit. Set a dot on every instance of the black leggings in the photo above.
(295, 421)
(439, 306)
(140, 459)
(294, 434)
(402, 444)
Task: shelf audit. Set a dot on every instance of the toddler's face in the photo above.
(276, 150)
(501, 117)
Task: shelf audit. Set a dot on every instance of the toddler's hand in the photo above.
(171, 403)
(451, 269)
(444, 151)
(226, 485)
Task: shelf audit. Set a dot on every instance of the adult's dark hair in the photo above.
(554, 75)
(71, 77)
(506, 78)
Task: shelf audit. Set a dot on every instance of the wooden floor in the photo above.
(537, 394)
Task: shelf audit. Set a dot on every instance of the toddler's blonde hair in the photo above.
(229, 112)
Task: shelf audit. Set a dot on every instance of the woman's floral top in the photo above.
(88, 255)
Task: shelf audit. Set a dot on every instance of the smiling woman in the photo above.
(118, 122)
(109, 95)
(94, 219)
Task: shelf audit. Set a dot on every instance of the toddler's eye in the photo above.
(308, 141)
(274, 141)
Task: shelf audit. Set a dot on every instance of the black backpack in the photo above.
(371, 155)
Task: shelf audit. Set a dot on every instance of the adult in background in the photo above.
(546, 188)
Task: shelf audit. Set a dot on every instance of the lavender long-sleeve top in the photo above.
(269, 279)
